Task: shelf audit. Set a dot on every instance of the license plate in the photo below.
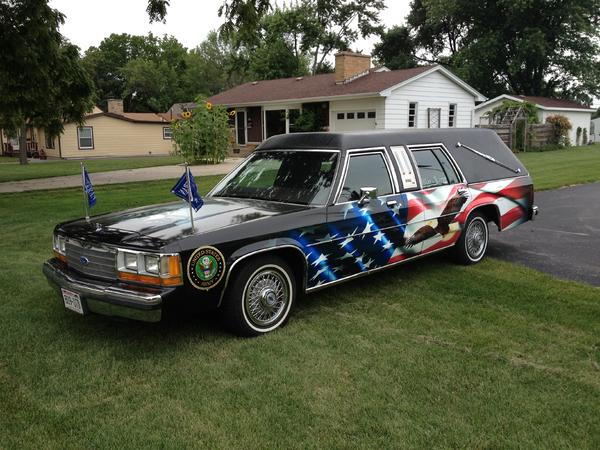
(72, 301)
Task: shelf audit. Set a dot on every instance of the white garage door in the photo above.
(354, 120)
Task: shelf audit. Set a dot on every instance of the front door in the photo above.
(241, 127)
(369, 236)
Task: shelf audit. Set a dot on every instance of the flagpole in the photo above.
(190, 196)
(85, 199)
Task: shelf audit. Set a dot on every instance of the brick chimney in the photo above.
(115, 106)
(350, 65)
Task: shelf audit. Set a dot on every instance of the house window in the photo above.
(275, 122)
(412, 115)
(340, 116)
(293, 116)
(360, 115)
(85, 138)
(452, 115)
(372, 115)
(49, 140)
(167, 133)
(350, 116)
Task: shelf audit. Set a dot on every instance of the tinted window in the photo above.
(447, 166)
(365, 171)
(435, 168)
(283, 176)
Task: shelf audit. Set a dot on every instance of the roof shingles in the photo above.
(317, 86)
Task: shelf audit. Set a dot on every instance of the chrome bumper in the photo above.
(108, 299)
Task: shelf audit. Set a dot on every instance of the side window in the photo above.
(435, 168)
(365, 171)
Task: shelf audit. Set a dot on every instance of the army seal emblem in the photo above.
(205, 268)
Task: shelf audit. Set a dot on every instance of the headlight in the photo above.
(59, 246)
(149, 268)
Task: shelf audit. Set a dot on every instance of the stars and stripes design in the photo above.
(396, 228)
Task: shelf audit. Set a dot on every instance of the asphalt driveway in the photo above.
(564, 240)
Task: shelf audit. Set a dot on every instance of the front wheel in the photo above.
(473, 242)
(259, 297)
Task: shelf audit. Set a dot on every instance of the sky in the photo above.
(88, 22)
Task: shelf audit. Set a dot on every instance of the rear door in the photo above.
(443, 195)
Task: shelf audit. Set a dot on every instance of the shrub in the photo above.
(203, 137)
(562, 126)
(578, 136)
(585, 137)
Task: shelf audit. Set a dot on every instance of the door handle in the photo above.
(463, 191)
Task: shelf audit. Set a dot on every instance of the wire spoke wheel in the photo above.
(266, 298)
(476, 239)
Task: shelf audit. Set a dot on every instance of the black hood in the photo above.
(158, 225)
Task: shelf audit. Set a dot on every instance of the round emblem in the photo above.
(205, 268)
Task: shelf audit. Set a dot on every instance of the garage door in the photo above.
(354, 120)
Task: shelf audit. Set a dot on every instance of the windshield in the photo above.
(303, 177)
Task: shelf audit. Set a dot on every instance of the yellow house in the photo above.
(103, 134)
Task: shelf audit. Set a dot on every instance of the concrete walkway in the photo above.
(118, 176)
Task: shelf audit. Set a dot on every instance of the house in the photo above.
(355, 97)
(103, 134)
(579, 115)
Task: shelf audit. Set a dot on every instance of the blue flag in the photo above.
(181, 190)
(89, 189)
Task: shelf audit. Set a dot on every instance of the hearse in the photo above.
(302, 213)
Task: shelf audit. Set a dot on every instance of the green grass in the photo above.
(45, 169)
(8, 159)
(427, 355)
(553, 169)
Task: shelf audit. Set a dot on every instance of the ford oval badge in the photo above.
(84, 261)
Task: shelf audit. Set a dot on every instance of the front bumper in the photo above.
(108, 299)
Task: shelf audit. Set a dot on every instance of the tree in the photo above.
(396, 49)
(42, 80)
(532, 47)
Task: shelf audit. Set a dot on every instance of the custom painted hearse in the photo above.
(303, 212)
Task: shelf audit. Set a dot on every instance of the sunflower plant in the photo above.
(203, 135)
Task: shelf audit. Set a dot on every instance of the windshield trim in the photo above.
(240, 166)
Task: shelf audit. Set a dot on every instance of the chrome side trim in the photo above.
(256, 252)
(377, 269)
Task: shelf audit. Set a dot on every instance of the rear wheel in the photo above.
(473, 242)
(260, 296)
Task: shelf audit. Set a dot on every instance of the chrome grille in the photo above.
(101, 260)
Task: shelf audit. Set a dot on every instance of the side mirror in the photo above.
(366, 194)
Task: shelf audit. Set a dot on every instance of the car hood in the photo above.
(158, 225)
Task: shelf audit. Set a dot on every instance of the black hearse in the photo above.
(303, 212)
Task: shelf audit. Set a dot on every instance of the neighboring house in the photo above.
(579, 115)
(355, 97)
(111, 133)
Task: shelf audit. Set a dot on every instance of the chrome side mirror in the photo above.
(366, 194)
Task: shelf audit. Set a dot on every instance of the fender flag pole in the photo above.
(186, 189)
(89, 196)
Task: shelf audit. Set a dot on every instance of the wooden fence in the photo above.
(535, 135)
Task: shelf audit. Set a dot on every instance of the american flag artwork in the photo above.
(397, 227)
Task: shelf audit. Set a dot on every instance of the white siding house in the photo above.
(579, 115)
(356, 97)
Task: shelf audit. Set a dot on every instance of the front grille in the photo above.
(94, 260)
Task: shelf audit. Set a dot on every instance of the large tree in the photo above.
(396, 49)
(42, 80)
(533, 47)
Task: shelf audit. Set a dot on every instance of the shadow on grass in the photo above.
(182, 325)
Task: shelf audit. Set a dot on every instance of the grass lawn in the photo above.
(8, 159)
(427, 355)
(554, 169)
(44, 169)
